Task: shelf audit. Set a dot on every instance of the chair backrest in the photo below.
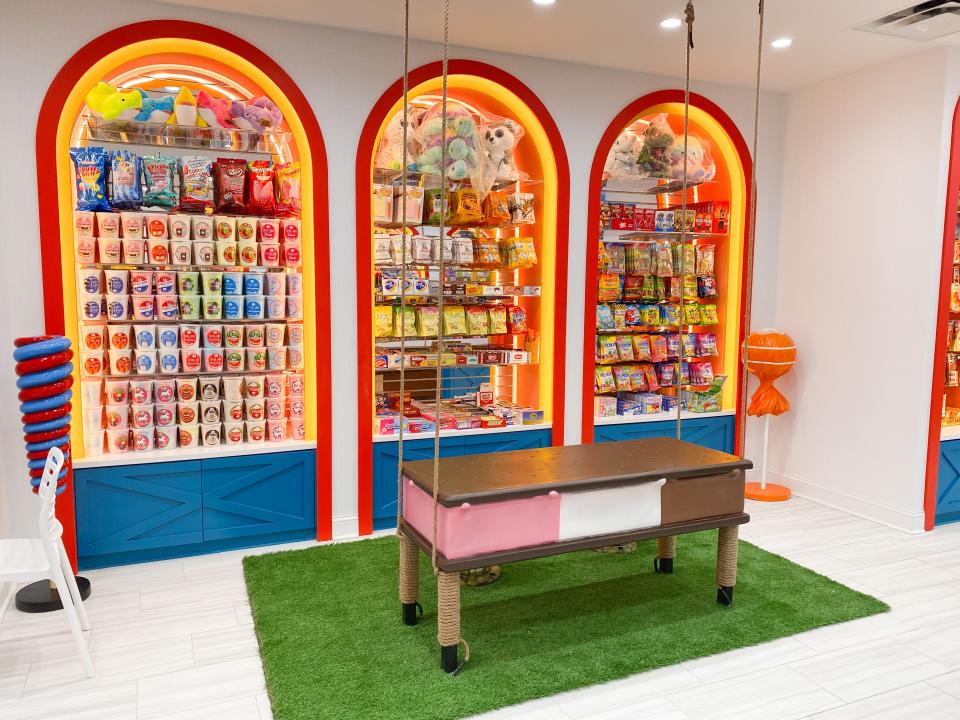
(50, 528)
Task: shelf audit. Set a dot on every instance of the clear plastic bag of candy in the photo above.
(90, 173)
(125, 171)
(159, 172)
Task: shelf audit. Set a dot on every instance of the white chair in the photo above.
(46, 558)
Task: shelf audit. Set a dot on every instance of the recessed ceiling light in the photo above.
(544, 2)
(781, 43)
(671, 23)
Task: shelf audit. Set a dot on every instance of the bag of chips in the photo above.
(708, 315)
(465, 207)
(607, 349)
(454, 320)
(125, 171)
(498, 319)
(692, 315)
(196, 184)
(658, 348)
(383, 321)
(260, 195)
(158, 174)
(404, 320)
(287, 186)
(603, 378)
(428, 321)
(608, 287)
(625, 347)
(90, 165)
(486, 251)
(705, 259)
(230, 176)
(641, 347)
(516, 320)
(478, 322)
(604, 317)
(496, 210)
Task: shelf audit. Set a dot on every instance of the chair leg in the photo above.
(448, 619)
(74, 590)
(409, 579)
(726, 563)
(72, 620)
(666, 552)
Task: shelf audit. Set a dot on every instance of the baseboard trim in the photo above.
(861, 507)
(346, 527)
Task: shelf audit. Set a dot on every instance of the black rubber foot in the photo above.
(448, 658)
(663, 565)
(410, 613)
(725, 595)
(39, 597)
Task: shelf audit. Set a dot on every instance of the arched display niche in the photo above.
(732, 183)
(542, 156)
(206, 54)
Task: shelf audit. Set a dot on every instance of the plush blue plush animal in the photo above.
(155, 110)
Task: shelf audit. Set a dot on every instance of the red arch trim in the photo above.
(635, 108)
(368, 137)
(943, 316)
(47, 196)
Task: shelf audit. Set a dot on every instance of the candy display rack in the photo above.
(650, 286)
(504, 272)
(193, 328)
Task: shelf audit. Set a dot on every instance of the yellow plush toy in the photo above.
(185, 110)
(107, 102)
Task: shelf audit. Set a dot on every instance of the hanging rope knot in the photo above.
(689, 15)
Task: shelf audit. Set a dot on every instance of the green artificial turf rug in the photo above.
(333, 644)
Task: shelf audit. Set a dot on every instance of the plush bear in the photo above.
(390, 149)
(463, 146)
(622, 158)
(499, 140)
(700, 165)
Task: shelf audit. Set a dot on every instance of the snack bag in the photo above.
(498, 319)
(689, 344)
(674, 287)
(638, 378)
(603, 377)
(651, 374)
(404, 320)
(463, 250)
(664, 260)
(633, 287)
(465, 207)
(625, 347)
(230, 176)
(516, 320)
(382, 321)
(125, 170)
(90, 165)
(673, 345)
(486, 251)
(632, 316)
(706, 344)
(260, 195)
(496, 210)
(687, 259)
(684, 373)
(287, 186)
(454, 320)
(692, 315)
(622, 378)
(641, 347)
(428, 321)
(526, 252)
(619, 316)
(707, 287)
(521, 208)
(604, 317)
(658, 348)
(607, 349)
(666, 374)
(478, 322)
(444, 244)
(616, 262)
(608, 287)
(435, 207)
(158, 174)
(637, 258)
(196, 183)
(422, 249)
(708, 315)
(690, 288)
(651, 315)
(705, 259)
(670, 314)
(649, 289)
(400, 245)
(701, 373)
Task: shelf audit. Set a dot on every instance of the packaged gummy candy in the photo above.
(692, 314)
(706, 344)
(288, 188)
(603, 377)
(125, 171)
(673, 345)
(708, 315)
(641, 347)
(625, 347)
(622, 378)
(671, 314)
(604, 317)
(158, 174)
(707, 286)
(260, 197)
(196, 183)
(658, 348)
(428, 321)
(516, 319)
(607, 349)
(705, 259)
(90, 165)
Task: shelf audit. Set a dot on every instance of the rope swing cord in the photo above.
(748, 294)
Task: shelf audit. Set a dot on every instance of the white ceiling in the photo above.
(625, 33)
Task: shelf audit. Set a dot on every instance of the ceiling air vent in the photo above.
(923, 21)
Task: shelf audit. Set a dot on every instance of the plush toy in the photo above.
(499, 140)
(185, 110)
(654, 154)
(214, 111)
(270, 115)
(107, 102)
(154, 110)
(390, 149)
(463, 146)
(622, 158)
(700, 165)
(247, 116)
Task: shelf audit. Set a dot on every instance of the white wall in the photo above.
(859, 263)
(342, 74)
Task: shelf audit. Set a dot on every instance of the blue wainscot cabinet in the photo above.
(715, 432)
(948, 483)
(143, 512)
(385, 460)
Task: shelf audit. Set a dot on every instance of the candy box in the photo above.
(386, 424)
(664, 221)
(645, 219)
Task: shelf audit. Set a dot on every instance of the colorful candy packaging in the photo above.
(622, 378)
(428, 321)
(692, 314)
(125, 170)
(603, 377)
(707, 286)
(706, 344)
(498, 319)
(516, 319)
(689, 343)
(651, 375)
(486, 251)
(477, 320)
(666, 373)
(405, 320)
(625, 347)
(288, 188)
(454, 320)
(658, 348)
(633, 287)
(670, 314)
(705, 259)
(641, 347)
(608, 286)
(465, 206)
(664, 260)
(673, 345)
(382, 321)
(607, 349)
(638, 378)
(496, 210)
(196, 183)
(604, 317)
(90, 165)
(708, 315)
(158, 174)
(230, 176)
(260, 197)
(690, 291)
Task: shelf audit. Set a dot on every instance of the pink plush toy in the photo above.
(215, 111)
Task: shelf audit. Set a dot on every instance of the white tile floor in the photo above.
(174, 641)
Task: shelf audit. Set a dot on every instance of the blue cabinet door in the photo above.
(503, 442)
(712, 432)
(137, 507)
(258, 495)
(633, 431)
(385, 472)
(948, 482)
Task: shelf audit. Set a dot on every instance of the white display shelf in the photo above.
(153, 135)
(198, 453)
(950, 432)
(660, 417)
(462, 433)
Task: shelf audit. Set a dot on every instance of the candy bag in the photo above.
(708, 315)
(705, 259)
(651, 315)
(288, 188)
(158, 174)
(707, 286)
(463, 250)
(641, 347)
(454, 320)
(422, 249)
(664, 260)
(687, 259)
(521, 208)
(706, 344)
(465, 207)
(486, 251)
(690, 288)
(673, 345)
(196, 183)
(619, 316)
(638, 378)
(616, 262)
(496, 210)
(498, 319)
(689, 343)
(637, 259)
(632, 317)
(666, 374)
(90, 165)
(381, 249)
(701, 373)
(230, 176)
(428, 321)
(658, 348)
(607, 349)
(604, 317)
(477, 320)
(382, 321)
(670, 314)
(260, 196)
(608, 287)
(622, 378)
(692, 315)
(603, 377)
(516, 319)
(633, 287)
(652, 384)
(404, 320)
(435, 207)
(625, 347)
(649, 289)
(125, 171)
